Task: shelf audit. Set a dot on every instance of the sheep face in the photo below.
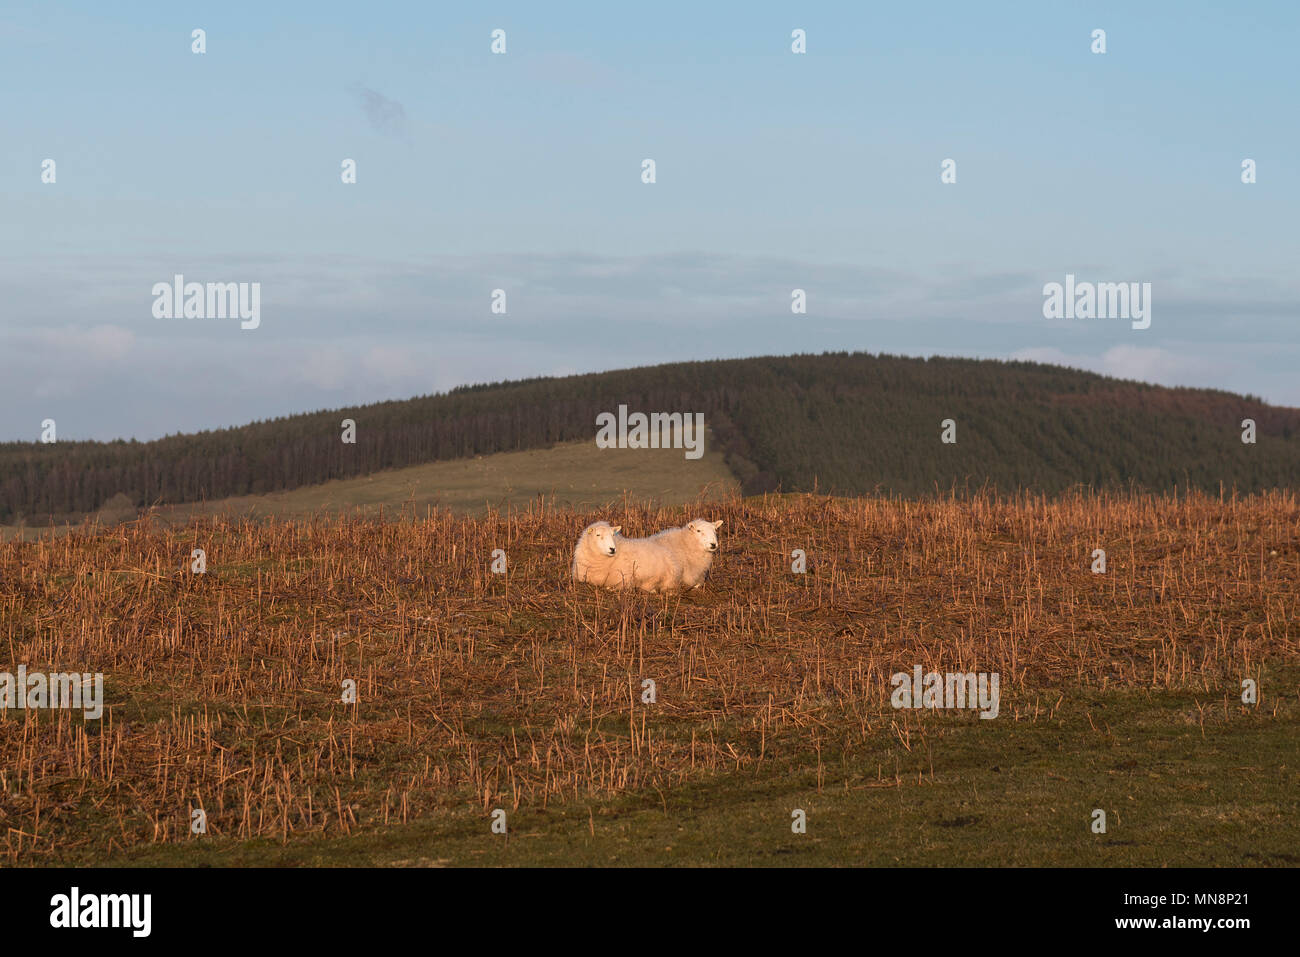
(600, 538)
(706, 533)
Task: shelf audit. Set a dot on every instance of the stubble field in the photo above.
(521, 692)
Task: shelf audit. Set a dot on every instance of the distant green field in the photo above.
(575, 474)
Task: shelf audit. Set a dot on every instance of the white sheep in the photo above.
(604, 557)
(594, 553)
(694, 546)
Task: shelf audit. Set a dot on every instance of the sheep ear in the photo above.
(718, 523)
(618, 528)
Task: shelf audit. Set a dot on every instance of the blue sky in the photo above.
(775, 171)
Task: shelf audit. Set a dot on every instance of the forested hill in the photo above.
(847, 423)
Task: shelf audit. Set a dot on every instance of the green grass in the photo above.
(576, 474)
(1184, 781)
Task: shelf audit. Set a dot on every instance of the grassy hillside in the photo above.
(845, 423)
(568, 475)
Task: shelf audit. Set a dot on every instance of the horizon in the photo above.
(1246, 396)
(522, 172)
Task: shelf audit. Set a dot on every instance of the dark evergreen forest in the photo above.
(841, 422)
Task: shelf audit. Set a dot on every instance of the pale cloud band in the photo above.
(80, 339)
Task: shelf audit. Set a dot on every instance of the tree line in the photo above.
(841, 422)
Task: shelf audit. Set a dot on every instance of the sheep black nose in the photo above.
(713, 548)
(611, 550)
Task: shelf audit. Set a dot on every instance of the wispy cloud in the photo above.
(384, 115)
(79, 341)
(1152, 364)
